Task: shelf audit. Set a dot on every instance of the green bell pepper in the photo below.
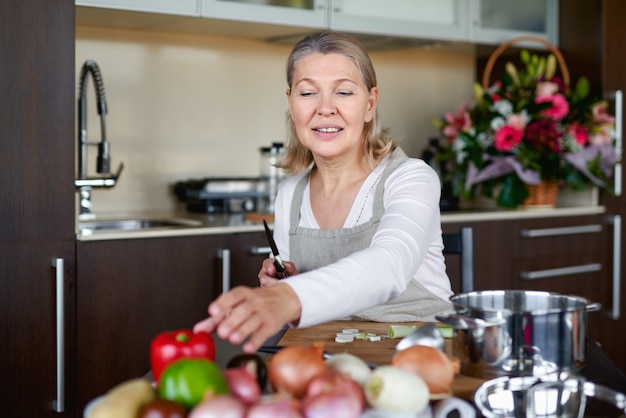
(189, 380)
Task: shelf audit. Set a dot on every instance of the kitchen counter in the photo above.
(208, 224)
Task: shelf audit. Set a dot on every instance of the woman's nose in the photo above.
(326, 105)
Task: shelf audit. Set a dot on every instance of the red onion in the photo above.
(242, 384)
(224, 406)
(279, 407)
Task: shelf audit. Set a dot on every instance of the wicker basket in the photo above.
(542, 195)
(505, 45)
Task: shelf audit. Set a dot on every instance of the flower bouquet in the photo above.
(526, 129)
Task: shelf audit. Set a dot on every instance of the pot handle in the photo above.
(465, 322)
(593, 306)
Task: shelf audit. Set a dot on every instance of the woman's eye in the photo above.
(306, 93)
(344, 93)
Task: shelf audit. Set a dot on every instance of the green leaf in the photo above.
(582, 88)
(513, 192)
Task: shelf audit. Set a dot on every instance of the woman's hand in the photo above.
(251, 313)
(268, 274)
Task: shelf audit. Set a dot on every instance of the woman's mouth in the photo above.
(328, 130)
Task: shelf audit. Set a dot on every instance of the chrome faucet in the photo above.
(83, 183)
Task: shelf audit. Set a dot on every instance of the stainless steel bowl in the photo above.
(551, 396)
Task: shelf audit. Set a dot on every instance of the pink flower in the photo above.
(599, 114)
(507, 137)
(546, 88)
(516, 121)
(559, 107)
(579, 132)
(601, 136)
(456, 124)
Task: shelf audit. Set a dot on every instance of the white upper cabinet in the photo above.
(176, 7)
(496, 21)
(433, 19)
(300, 13)
(468, 21)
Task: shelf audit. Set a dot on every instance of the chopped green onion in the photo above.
(400, 331)
(446, 330)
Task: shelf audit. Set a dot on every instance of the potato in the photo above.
(124, 400)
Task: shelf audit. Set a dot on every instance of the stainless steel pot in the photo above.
(518, 332)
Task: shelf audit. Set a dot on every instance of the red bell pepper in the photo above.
(172, 345)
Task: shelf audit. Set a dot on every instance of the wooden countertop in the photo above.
(379, 352)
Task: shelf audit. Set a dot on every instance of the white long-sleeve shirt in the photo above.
(407, 245)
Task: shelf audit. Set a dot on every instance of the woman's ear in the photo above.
(372, 102)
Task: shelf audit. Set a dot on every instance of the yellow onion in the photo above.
(291, 369)
(434, 366)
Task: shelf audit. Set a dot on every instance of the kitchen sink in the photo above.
(140, 224)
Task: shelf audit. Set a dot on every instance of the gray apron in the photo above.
(314, 248)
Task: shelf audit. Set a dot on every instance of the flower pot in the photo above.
(542, 195)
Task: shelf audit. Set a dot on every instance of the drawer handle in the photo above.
(224, 255)
(59, 404)
(260, 251)
(561, 271)
(568, 230)
(614, 313)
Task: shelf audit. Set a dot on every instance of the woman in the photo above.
(358, 220)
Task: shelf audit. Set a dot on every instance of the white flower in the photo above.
(497, 123)
(459, 146)
(503, 107)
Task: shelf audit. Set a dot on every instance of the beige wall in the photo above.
(189, 106)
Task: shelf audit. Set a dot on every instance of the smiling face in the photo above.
(330, 104)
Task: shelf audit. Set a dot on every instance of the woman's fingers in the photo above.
(206, 325)
(291, 268)
(252, 314)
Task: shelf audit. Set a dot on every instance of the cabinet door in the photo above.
(490, 246)
(179, 7)
(304, 13)
(248, 252)
(597, 52)
(130, 291)
(37, 139)
(441, 19)
(33, 340)
(496, 21)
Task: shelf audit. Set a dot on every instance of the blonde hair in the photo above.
(376, 142)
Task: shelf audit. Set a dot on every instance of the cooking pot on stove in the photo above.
(518, 332)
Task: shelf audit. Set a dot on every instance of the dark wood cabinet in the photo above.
(32, 337)
(564, 254)
(593, 42)
(37, 210)
(248, 249)
(130, 291)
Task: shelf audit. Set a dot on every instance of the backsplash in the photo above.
(186, 106)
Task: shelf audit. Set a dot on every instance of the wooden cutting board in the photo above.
(379, 352)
